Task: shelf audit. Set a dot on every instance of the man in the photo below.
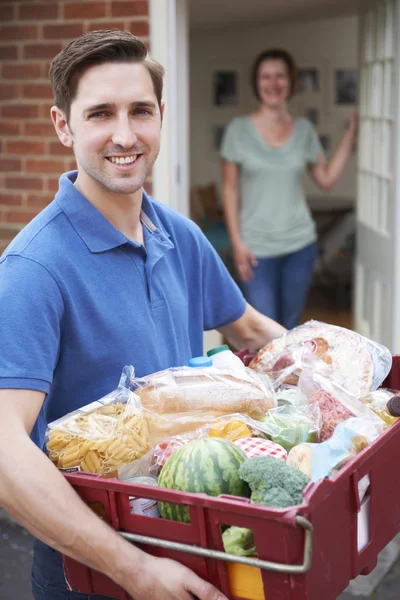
(104, 276)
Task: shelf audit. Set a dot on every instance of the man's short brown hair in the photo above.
(95, 48)
(275, 54)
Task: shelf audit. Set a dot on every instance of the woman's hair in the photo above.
(275, 54)
(95, 48)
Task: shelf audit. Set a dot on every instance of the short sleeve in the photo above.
(223, 302)
(32, 307)
(230, 146)
(313, 145)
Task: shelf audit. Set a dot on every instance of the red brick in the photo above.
(44, 129)
(38, 11)
(95, 25)
(60, 150)
(41, 50)
(24, 147)
(17, 111)
(22, 217)
(85, 10)
(60, 32)
(9, 128)
(37, 90)
(9, 91)
(10, 164)
(9, 199)
(129, 8)
(8, 52)
(44, 110)
(139, 28)
(18, 32)
(70, 165)
(30, 71)
(7, 12)
(44, 166)
(52, 184)
(39, 201)
(24, 183)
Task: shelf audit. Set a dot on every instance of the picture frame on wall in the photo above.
(308, 81)
(346, 86)
(225, 88)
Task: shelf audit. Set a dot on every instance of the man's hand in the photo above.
(165, 579)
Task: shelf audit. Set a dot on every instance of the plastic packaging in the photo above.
(335, 403)
(356, 363)
(378, 402)
(222, 357)
(212, 390)
(200, 361)
(292, 425)
(100, 437)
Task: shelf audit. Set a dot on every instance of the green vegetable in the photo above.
(273, 482)
(208, 465)
(289, 430)
(239, 541)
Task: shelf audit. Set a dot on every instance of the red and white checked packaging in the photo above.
(253, 447)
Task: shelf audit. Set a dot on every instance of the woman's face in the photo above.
(273, 83)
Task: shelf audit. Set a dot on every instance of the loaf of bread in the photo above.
(226, 391)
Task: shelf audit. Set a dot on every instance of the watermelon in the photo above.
(208, 465)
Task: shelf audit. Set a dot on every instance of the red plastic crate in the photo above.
(331, 506)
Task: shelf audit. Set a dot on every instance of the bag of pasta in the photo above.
(100, 437)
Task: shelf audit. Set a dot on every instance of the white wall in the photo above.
(323, 44)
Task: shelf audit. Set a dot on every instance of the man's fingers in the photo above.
(202, 590)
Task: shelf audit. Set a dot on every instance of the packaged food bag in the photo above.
(100, 437)
(356, 363)
(291, 425)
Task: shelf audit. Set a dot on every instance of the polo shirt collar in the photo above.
(95, 230)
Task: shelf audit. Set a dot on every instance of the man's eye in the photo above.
(143, 111)
(97, 115)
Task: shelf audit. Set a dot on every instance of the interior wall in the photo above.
(325, 45)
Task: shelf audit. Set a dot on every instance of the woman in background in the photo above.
(264, 155)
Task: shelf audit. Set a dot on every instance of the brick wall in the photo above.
(31, 34)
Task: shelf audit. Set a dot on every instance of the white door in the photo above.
(169, 45)
(377, 313)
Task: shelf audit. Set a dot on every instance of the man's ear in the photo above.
(61, 126)
(162, 111)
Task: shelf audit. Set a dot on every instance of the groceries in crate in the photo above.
(255, 446)
(291, 425)
(100, 437)
(210, 466)
(385, 403)
(354, 362)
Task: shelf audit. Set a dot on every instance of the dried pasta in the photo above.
(100, 440)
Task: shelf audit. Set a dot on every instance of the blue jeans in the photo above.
(280, 285)
(48, 582)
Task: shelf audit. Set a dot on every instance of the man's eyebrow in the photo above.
(110, 106)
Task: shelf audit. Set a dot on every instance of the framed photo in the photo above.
(308, 81)
(312, 114)
(225, 88)
(326, 142)
(218, 134)
(346, 86)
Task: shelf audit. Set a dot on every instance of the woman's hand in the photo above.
(352, 125)
(244, 260)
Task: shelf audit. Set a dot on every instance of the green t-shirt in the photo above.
(274, 215)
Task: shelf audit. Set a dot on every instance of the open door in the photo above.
(169, 45)
(376, 308)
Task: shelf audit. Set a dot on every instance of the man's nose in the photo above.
(124, 134)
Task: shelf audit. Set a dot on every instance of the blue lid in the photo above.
(200, 361)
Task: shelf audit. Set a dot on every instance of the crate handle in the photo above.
(218, 555)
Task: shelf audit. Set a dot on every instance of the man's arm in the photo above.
(253, 330)
(35, 493)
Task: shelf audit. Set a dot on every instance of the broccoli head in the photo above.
(273, 482)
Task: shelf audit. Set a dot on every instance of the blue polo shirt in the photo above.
(79, 300)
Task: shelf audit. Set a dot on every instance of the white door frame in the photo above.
(169, 45)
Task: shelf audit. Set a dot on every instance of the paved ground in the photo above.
(16, 556)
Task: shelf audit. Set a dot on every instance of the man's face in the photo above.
(114, 126)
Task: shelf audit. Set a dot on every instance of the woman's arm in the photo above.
(325, 174)
(243, 258)
(253, 330)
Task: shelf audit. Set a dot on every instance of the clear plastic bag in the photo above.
(289, 425)
(356, 363)
(100, 437)
(335, 403)
(378, 400)
(209, 389)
